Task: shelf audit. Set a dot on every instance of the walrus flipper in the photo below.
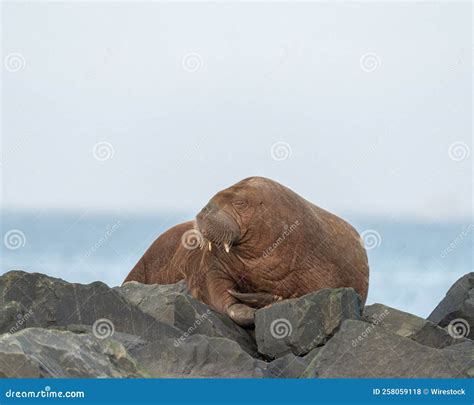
(242, 315)
(255, 300)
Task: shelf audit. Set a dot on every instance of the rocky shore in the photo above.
(52, 328)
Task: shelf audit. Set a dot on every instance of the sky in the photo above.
(361, 108)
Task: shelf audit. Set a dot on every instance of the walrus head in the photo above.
(233, 215)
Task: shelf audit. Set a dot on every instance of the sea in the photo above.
(412, 264)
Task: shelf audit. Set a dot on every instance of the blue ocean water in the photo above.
(412, 264)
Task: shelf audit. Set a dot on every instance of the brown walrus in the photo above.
(258, 242)
(161, 263)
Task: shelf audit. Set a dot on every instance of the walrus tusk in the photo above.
(227, 247)
(210, 246)
(255, 300)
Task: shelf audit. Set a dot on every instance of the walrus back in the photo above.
(346, 250)
(158, 264)
(334, 251)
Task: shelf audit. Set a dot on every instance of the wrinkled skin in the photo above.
(261, 242)
(163, 261)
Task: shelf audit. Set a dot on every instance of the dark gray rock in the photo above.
(198, 356)
(154, 299)
(299, 325)
(44, 301)
(290, 366)
(171, 304)
(42, 353)
(409, 326)
(363, 350)
(162, 331)
(128, 341)
(13, 316)
(457, 308)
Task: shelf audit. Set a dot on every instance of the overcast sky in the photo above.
(361, 108)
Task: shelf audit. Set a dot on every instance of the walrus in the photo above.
(160, 264)
(259, 242)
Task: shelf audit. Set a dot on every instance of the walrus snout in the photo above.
(217, 226)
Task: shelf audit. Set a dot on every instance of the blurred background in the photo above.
(122, 119)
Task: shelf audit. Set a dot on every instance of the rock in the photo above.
(457, 308)
(290, 366)
(299, 325)
(128, 341)
(171, 304)
(42, 353)
(198, 356)
(409, 326)
(48, 302)
(379, 354)
(154, 299)
(141, 330)
(12, 316)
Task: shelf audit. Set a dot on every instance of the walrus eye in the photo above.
(240, 205)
